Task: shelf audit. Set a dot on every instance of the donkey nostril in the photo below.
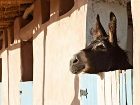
(75, 60)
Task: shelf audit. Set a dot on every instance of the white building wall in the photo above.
(5, 81)
(135, 4)
(53, 47)
(63, 39)
(14, 75)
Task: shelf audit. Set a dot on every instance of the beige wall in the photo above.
(5, 81)
(63, 38)
(11, 75)
(136, 50)
(38, 69)
(54, 44)
(14, 76)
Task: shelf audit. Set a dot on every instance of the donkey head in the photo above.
(103, 53)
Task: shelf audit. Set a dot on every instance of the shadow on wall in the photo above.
(31, 27)
(130, 34)
(76, 101)
(58, 11)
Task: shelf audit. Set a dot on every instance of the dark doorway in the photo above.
(27, 60)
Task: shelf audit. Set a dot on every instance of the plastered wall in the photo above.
(57, 43)
(54, 43)
(136, 51)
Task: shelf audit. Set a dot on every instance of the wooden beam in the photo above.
(41, 14)
(28, 11)
(10, 34)
(10, 14)
(4, 8)
(6, 37)
(12, 2)
(42, 11)
(65, 6)
(3, 25)
(17, 24)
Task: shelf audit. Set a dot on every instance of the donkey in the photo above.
(103, 54)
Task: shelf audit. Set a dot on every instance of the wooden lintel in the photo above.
(41, 14)
(12, 2)
(17, 25)
(10, 34)
(26, 32)
(6, 37)
(42, 10)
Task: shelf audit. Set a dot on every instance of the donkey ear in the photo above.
(99, 30)
(112, 29)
